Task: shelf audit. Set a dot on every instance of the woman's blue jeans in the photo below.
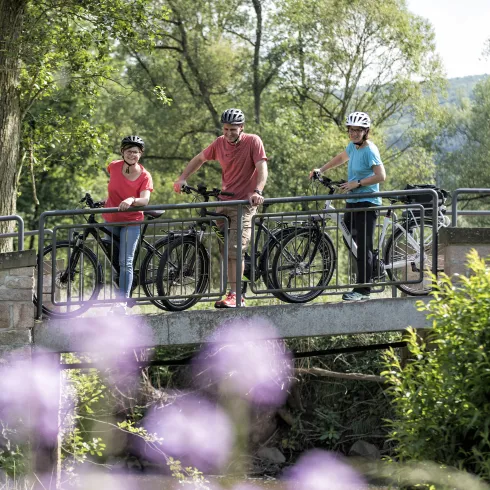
(128, 240)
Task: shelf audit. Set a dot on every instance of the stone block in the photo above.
(17, 260)
(19, 282)
(16, 353)
(4, 315)
(16, 315)
(22, 315)
(22, 272)
(3, 276)
(12, 339)
(7, 294)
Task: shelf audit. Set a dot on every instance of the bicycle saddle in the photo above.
(154, 214)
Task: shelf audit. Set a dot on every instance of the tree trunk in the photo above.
(257, 83)
(11, 18)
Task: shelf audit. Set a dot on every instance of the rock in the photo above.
(364, 450)
(271, 454)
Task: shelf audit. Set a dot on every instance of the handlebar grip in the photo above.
(223, 193)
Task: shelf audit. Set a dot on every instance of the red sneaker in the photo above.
(228, 302)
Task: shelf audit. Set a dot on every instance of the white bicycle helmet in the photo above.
(232, 116)
(360, 119)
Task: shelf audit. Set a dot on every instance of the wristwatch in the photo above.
(359, 183)
(259, 192)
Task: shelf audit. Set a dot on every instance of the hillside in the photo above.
(460, 88)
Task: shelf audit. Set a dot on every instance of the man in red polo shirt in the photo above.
(244, 173)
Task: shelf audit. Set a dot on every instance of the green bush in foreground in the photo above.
(441, 396)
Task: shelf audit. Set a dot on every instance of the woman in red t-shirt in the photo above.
(129, 186)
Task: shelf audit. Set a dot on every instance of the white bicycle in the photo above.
(308, 258)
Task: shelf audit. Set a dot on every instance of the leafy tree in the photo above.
(50, 46)
(440, 397)
(466, 165)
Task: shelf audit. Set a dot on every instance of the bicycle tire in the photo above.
(149, 271)
(400, 249)
(68, 284)
(264, 269)
(298, 269)
(185, 264)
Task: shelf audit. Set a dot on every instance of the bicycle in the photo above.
(400, 257)
(184, 272)
(78, 273)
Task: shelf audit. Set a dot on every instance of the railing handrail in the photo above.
(454, 203)
(20, 230)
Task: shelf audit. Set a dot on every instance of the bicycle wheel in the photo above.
(77, 281)
(403, 257)
(266, 255)
(149, 271)
(305, 259)
(183, 271)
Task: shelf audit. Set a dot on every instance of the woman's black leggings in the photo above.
(361, 224)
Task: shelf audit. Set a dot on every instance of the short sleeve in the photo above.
(258, 150)
(349, 149)
(110, 166)
(210, 152)
(147, 184)
(375, 157)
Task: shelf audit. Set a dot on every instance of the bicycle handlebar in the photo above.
(331, 184)
(202, 191)
(91, 203)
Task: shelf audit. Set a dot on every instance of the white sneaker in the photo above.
(118, 309)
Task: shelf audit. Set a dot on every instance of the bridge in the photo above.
(290, 321)
(19, 329)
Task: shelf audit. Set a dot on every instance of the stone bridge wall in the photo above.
(457, 242)
(16, 306)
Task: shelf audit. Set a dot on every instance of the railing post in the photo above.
(239, 259)
(40, 249)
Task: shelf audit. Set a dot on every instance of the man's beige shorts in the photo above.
(231, 212)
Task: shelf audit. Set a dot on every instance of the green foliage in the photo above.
(335, 412)
(465, 165)
(440, 397)
(67, 53)
(13, 456)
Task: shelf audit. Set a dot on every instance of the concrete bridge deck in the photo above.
(195, 326)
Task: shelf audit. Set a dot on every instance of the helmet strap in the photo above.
(128, 165)
(238, 139)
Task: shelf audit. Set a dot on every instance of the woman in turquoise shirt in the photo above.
(365, 171)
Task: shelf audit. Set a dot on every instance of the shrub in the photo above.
(441, 396)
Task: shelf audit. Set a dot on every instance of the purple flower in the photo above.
(247, 358)
(321, 470)
(30, 395)
(97, 480)
(112, 340)
(193, 431)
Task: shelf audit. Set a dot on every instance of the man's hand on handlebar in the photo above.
(179, 185)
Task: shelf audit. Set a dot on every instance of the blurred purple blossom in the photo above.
(321, 470)
(30, 393)
(113, 339)
(247, 358)
(97, 480)
(194, 431)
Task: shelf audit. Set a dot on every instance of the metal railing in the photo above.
(199, 234)
(20, 229)
(454, 204)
